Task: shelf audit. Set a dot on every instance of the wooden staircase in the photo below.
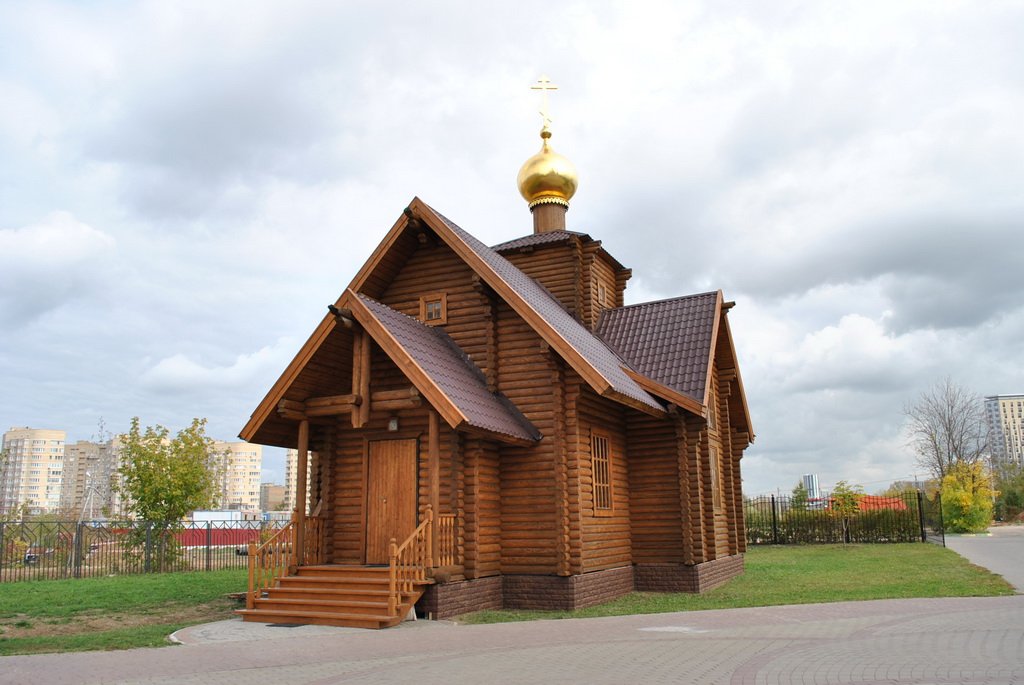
(351, 596)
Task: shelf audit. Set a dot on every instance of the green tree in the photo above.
(1010, 499)
(845, 503)
(798, 502)
(967, 495)
(163, 480)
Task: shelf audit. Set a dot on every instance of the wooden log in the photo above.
(402, 394)
(396, 405)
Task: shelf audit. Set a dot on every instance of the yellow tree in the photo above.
(967, 496)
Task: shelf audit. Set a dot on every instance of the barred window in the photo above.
(602, 473)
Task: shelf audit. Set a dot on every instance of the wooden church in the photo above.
(491, 427)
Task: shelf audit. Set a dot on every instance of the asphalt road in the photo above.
(962, 640)
(1002, 552)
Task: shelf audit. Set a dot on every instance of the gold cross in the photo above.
(544, 84)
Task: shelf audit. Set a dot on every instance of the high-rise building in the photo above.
(291, 476)
(90, 473)
(271, 496)
(242, 467)
(1005, 414)
(31, 470)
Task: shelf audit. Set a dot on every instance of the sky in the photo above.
(185, 186)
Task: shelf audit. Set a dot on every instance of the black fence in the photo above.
(45, 550)
(908, 517)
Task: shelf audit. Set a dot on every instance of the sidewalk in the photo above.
(953, 640)
(1001, 551)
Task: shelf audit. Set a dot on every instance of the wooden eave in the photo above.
(268, 406)
(708, 377)
(668, 394)
(594, 378)
(739, 378)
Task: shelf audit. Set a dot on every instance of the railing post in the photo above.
(148, 555)
(209, 545)
(775, 524)
(429, 560)
(79, 531)
(250, 597)
(393, 580)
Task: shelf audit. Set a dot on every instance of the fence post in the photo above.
(920, 516)
(942, 520)
(209, 546)
(79, 530)
(149, 548)
(775, 524)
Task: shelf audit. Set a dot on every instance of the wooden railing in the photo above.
(409, 562)
(269, 561)
(446, 549)
(279, 555)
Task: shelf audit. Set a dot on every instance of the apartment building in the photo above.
(32, 470)
(1005, 414)
(242, 467)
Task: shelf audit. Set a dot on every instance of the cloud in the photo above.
(180, 374)
(47, 265)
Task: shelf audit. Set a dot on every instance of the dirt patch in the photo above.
(25, 626)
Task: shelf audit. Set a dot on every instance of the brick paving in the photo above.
(962, 640)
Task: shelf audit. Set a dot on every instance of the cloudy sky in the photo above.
(185, 185)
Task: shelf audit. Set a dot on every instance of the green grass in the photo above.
(111, 613)
(804, 575)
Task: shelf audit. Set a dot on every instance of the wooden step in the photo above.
(331, 606)
(320, 618)
(353, 596)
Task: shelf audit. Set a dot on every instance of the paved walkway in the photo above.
(974, 640)
(1002, 552)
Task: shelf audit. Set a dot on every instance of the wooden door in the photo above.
(390, 496)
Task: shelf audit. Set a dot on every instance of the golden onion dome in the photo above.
(547, 176)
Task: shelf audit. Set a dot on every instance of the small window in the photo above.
(601, 463)
(434, 309)
(602, 296)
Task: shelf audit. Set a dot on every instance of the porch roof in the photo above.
(430, 357)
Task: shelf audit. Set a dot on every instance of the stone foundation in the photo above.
(564, 593)
(683, 578)
(445, 600)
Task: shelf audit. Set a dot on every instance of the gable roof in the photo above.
(440, 371)
(533, 240)
(669, 341)
(586, 353)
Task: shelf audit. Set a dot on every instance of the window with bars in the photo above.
(601, 462)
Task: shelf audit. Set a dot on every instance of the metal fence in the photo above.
(44, 550)
(908, 517)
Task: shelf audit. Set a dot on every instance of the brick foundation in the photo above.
(683, 578)
(451, 599)
(567, 592)
(555, 593)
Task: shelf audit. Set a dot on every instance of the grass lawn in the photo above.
(804, 575)
(111, 613)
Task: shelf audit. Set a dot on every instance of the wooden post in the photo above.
(361, 377)
(300, 493)
(434, 446)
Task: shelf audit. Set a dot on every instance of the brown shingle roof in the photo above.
(453, 373)
(591, 348)
(535, 239)
(669, 341)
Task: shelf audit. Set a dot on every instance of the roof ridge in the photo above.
(667, 299)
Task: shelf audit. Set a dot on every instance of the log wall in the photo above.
(656, 521)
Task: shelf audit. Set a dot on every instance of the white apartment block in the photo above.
(1005, 414)
(32, 470)
(291, 477)
(242, 467)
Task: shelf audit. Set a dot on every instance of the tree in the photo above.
(1010, 498)
(947, 427)
(164, 479)
(967, 496)
(798, 502)
(845, 503)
